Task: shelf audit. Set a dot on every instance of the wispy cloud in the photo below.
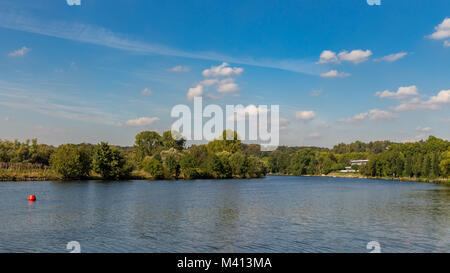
(179, 68)
(104, 37)
(18, 97)
(374, 114)
(392, 57)
(141, 122)
(334, 74)
(19, 52)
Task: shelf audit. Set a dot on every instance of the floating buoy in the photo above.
(32, 198)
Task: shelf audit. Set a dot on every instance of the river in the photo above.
(273, 214)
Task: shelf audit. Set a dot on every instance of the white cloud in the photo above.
(214, 74)
(305, 115)
(402, 92)
(327, 56)
(146, 92)
(393, 57)
(19, 52)
(222, 70)
(227, 86)
(446, 43)
(355, 119)
(443, 97)
(143, 121)
(195, 92)
(73, 2)
(433, 103)
(180, 68)
(355, 56)
(442, 31)
(423, 129)
(334, 74)
(209, 82)
(374, 114)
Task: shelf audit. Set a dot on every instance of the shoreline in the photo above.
(141, 177)
(441, 181)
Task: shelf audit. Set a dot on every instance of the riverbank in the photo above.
(49, 175)
(444, 181)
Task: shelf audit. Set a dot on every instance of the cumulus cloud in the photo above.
(334, 74)
(180, 68)
(433, 103)
(327, 56)
(227, 86)
(19, 52)
(223, 70)
(355, 56)
(393, 57)
(443, 97)
(374, 114)
(142, 121)
(146, 92)
(423, 129)
(214, 76)
(305, 115)
(195, 92)
(442, 31)
(402, 92)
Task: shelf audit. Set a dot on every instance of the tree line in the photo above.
(153, 155)
(428, 159)
(167, 157)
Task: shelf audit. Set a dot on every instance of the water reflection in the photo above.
(275, 214)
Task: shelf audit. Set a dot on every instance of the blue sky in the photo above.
(340, 70)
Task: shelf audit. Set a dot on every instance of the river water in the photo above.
(273, 214)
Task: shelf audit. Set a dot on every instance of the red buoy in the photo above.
(32, 198)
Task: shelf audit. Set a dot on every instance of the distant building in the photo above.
(348, 170)
(359, 162)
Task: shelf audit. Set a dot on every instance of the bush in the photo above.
(70, 162)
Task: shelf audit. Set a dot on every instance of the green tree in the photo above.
(110, 162)
(70, 162)
(154, 167)
(239, 164)
(147, 143)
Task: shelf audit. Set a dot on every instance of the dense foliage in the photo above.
(166, 157)
(424, 159)
(71, 161)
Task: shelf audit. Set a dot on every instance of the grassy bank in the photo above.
(7, 175)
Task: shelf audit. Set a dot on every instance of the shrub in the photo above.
(70, 161)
